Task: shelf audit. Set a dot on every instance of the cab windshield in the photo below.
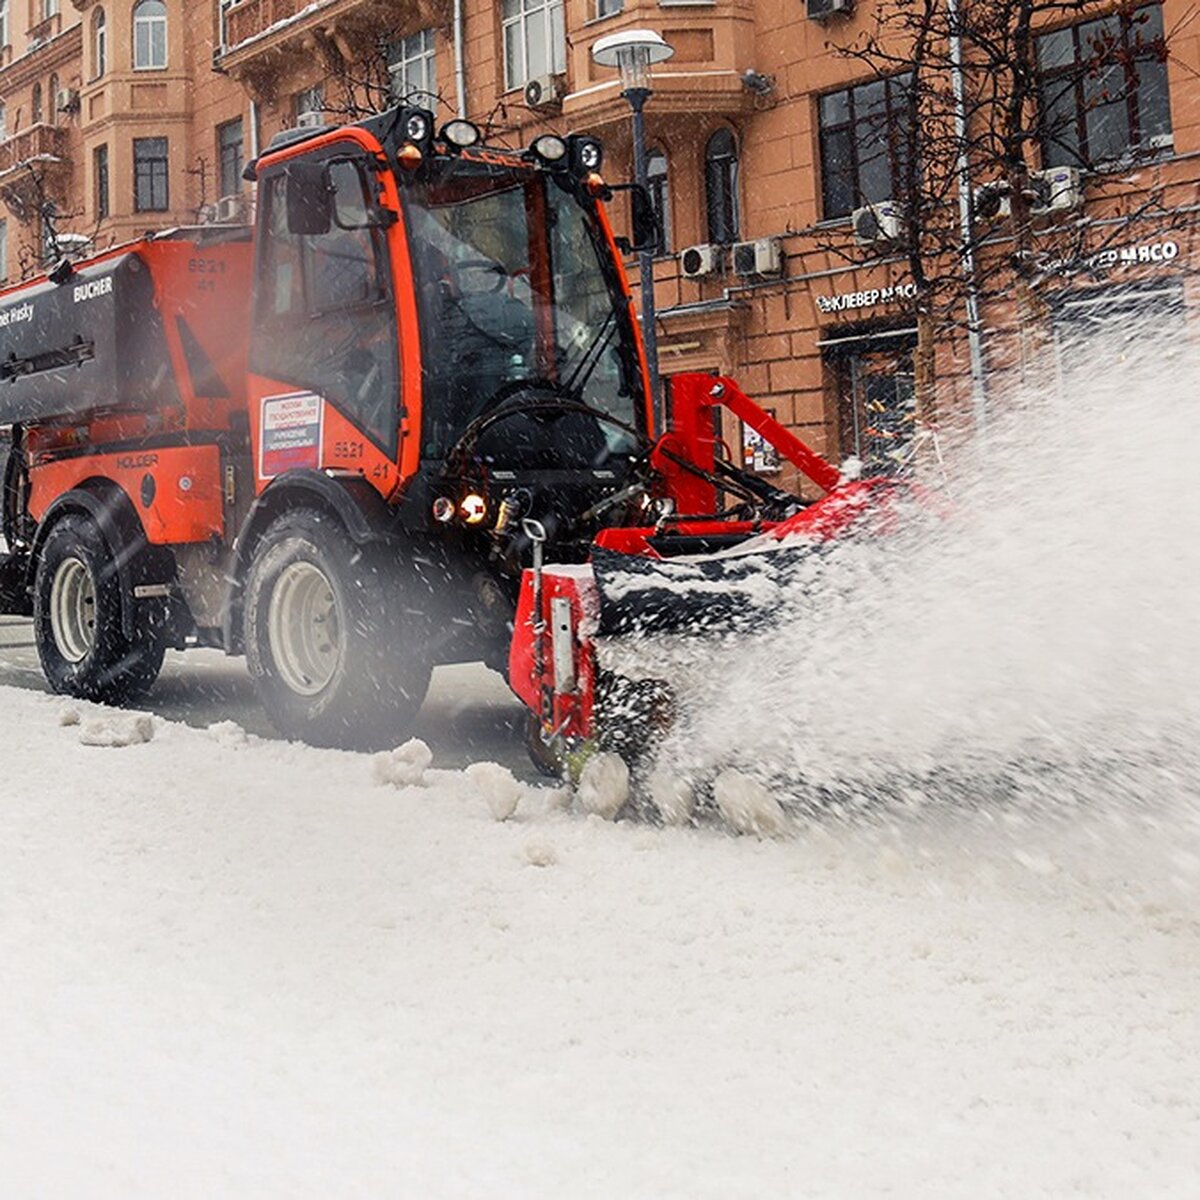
(516, 292)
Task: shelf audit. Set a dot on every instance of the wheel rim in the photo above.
(303, 627)
(73, 610)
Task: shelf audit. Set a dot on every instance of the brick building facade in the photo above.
(140, 114)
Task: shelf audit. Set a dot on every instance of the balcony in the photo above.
(256, 32)
(39, 145)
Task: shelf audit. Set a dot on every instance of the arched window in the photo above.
(52, 100)
(721, 187)
(99, 43)
(35, 104)
(660, 196)
(3, 122)
(149, 35)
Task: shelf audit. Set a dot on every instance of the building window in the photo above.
(412, 67)
(3, 250)
(49, 9)
(229, 150)
(311, 100)
(863, 142)
(3, 126)
(3, 23)
(721, 187)
(608, 8)
(150, 169)
(100, 174)
(99, 44)
(535, 42)
(149, 35)
(35, 105)
(52, 99)
(660, 196)
(1103, 87)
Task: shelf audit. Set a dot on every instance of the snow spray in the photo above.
(1035, 657)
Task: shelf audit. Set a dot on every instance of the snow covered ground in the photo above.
(241, 967)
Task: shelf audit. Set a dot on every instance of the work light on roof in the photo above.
(460, 133)
(416, 127)
(550, 148)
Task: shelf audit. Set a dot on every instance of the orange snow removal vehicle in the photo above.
(389, 427)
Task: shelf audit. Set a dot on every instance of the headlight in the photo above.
(460, 133)
(416, 127)
(550, 148)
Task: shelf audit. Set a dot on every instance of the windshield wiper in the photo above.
(591, 356)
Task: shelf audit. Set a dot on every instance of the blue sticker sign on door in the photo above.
(291, 433)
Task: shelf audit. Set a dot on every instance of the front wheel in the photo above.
(77, 619)
(335, 660)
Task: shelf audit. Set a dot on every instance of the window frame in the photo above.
(99, 43)
(101, 183)
(724, 170)
(659, 186)
(235, 175)
(416, 51)
(151, 23)
(151, 163)
(1076, 74)
(516, 16)
(895, 109)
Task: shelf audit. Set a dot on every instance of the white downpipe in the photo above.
(460, 66)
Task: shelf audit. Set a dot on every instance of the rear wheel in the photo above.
(77, 616)
(335, 660)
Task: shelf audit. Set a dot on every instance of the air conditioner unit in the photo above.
(545, 92)
(763, 256)
(230, 210)
(1058, 189)
(822, 10)
(698, 262)
(992, 201)
(876, 223)
(66, 100)
(311, 120)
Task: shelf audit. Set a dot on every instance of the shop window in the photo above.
(660, 196)
(535, 41)
(877, 406)
(230, 150)
(150, 175)
(100, 175)
(863, 141)
(1103, 89)
(412, 65)
(99, 43)
(721, 188)
(35, 104)
(149, 35)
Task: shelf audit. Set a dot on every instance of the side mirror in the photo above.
(647, 229)
(309, 199)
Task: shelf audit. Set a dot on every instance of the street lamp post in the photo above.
(633, 53)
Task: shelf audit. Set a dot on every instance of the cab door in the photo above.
(324, 360)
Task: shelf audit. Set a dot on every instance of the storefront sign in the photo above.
(1149, 254)
(850, 301)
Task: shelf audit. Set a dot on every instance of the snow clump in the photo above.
(498, 786)
(604, 785)
(747, 805)
(121, 729)
(405, 766)
(672, 795)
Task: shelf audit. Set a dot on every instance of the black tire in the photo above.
(77, 606)
(335, 659)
